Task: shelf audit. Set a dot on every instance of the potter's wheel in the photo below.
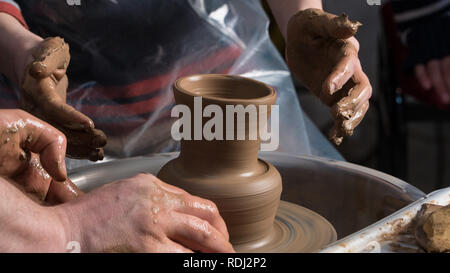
(296, 229)
(335, 190)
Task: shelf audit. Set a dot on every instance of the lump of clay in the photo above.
(433, 228)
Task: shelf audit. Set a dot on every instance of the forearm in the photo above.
(284, 9)
(26, 226)
(15, 42)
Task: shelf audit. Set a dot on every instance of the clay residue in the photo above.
(428, 231)
(319, 22)
(396, 227)
(48, 56)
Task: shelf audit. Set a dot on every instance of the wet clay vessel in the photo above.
(245, 189)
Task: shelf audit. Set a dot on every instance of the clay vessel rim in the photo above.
(264, 99)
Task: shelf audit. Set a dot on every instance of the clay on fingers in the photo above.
(350, 124)
(44, 95)
(51, 55)
(77, 152)
(49, 95)
(85, 144)
(320, 23)
(320, 54)
(345, 121)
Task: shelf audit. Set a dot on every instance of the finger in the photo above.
(205, 210)
(56, 108)
(84, 152)
(422, 76)
(340, 74)
(61, 192)
(81, 150)
(59, 74)
(445, 68)
(41, 138)
(357, 96)
(61, 87)
(34, 180)
(434, 70)
(336, 135)
(167, 187)
(196, 234)
(348, 107)
(320, 23)
(91, 139)
(196, 206)
(344, 127)
(85, 144)
(349, 125)
(51, 55)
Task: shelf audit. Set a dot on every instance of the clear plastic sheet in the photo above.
(145, 45)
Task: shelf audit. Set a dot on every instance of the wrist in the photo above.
(71, 230)
(28, 227)
(33, 230)
(50, 235)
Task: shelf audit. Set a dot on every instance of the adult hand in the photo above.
(144, 214)
(24, 142)
(435, 75)
(44, 87)
(322, 52)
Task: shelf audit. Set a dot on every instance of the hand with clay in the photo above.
(139, 214)
(322, 52)
(24, 141)
(143, 214)
(39, 67)
(44, 86)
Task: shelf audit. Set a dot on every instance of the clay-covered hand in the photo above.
(144, 214)
(24, 142)
(322, 52)
(44, 87)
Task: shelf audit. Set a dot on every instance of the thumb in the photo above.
(50, 56)
(317, 22)
(61, 192)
